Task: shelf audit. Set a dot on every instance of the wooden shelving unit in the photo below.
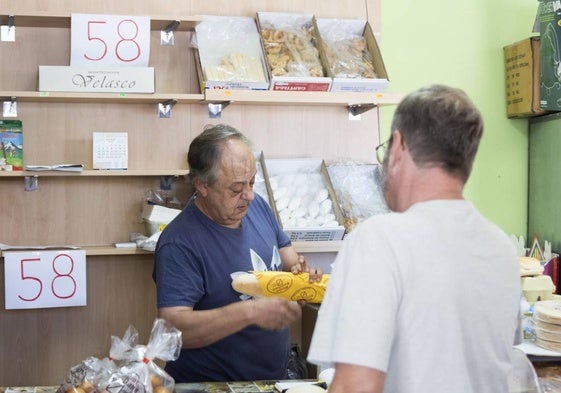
(93, 209)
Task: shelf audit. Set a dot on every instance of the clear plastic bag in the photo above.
(290, 45)
(130, 367)
(346, 52)
(359, 190)
(229, 49)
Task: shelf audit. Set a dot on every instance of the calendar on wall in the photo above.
(110, 150)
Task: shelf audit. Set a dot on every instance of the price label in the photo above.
(109, 40)
(43, 279)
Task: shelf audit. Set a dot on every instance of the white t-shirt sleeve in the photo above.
(356, 321)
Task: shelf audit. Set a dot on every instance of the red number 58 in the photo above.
(62, 266)
(126, 40)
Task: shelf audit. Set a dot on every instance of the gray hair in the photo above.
(440, 126)
(206, 149)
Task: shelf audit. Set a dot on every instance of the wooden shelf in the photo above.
(49, 19)
(251, 97)
(87, 173)
(131, 98)
(90, 250)
(112, 250)
(300, 247)
(321, 246)
(268, 97)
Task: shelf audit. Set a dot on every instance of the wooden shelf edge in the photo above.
(300, 247)
(100, 173)
(267, 97)
(91, 250)
(112, 250)
(49, 19)
(252, 97)
(140, 98)
(315, 247)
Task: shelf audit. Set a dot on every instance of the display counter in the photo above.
(201, 387)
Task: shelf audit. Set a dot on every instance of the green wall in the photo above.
(461, 44)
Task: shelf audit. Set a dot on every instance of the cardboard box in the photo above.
(549, 20)
(260, 185)
(229, 54)
(304, 200)
(551, 268)
(359, 190)
(522, 75)
(346, 61)
(291, 52)
(11, 145)
(96, 79)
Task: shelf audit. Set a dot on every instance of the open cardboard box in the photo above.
(229, 54)
(260, 185)
(285, 24)
(297, 174)
(343, 30)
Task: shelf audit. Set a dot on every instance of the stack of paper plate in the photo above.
(547, 319)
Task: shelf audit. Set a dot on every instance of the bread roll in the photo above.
(530, 266)
(247, 284)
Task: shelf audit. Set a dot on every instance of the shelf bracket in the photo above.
(164, 108)
(166, 183)
(30, 183)
(167, 37)
(10, 108)
(215, 109)
(8, 32)
(358, 109)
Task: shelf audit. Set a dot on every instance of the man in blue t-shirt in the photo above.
(225, 228)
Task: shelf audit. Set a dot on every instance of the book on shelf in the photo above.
(56, 167)
(11, 145)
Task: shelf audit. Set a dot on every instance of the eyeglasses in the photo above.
(381, 150)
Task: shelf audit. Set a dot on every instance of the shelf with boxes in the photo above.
(354, 100)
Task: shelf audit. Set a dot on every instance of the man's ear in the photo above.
(201, 187)
(397, 146)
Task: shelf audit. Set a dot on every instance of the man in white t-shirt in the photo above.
(425, 298)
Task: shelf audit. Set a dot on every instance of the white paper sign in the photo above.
(43, 279)
(110, 40)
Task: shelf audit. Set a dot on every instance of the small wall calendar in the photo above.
(110, 150)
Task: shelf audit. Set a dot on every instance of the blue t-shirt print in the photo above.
(260, 265)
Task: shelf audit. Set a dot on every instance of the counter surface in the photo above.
(202, 387)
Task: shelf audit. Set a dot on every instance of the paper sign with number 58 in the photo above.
(41, 279)
(109, 40)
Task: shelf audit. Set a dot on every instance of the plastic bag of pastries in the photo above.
(138, 362)
(290, 45)
(346, 51)
(87, 376)
(130, 367)
(229, 49)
